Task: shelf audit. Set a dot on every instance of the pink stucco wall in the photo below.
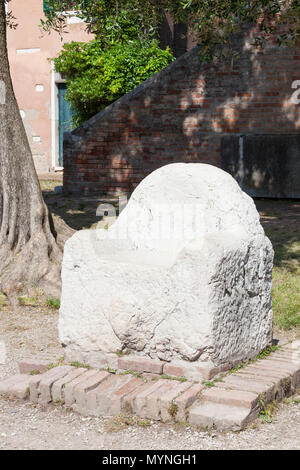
(30, 68)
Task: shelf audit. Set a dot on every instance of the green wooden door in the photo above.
(64, 118)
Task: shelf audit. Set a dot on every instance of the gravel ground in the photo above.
(32, 332)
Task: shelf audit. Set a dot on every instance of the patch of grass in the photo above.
(109, 369)
(3, 300)
(59, 362)
(79, 364)
(49, 185)
(173, 409)
(296, 400)
(122, 353)
(144, 423)
(208, 383)
(266, 352)
(266, 412)
(237, 368)
(262, 355)
(53, 303)
(286, 278)
(139, 375)
(29, 301)
(170, 377)
(123, 421)
(286, 298)
(34, 372)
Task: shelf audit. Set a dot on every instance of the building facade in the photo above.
(243, 117)
(39, 90)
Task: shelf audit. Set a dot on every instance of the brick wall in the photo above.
(182, 114)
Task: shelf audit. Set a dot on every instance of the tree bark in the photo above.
(29, 254)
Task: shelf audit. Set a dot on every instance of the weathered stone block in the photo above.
(184, 274)
(16, 386)
(26, 366)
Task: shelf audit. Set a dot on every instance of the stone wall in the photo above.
(184, 113)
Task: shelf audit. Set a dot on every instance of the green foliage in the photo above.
(208, 383)
(286, 278)
(111, 21)
(53, 303)
(211, 21)
(138, 375)
(266, 352)
(266, 412)
(28, 301)
(170, 377)
(79, 365)
(96, 77)
(173, 409)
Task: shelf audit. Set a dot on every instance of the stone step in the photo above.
(16, 386)
(231, 397)
(232, 402)
(220, 416)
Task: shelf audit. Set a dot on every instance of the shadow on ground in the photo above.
(281, 221)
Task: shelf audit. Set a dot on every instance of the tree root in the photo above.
(37, 264)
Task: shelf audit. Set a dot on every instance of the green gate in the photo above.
(64, 118)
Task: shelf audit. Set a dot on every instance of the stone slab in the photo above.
(140, 364)
(233, 398)
(16, 386)
(26, 366)
(219, 416)
(194, 370)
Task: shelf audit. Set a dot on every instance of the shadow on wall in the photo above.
(195, 112)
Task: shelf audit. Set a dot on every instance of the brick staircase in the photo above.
(230, 402)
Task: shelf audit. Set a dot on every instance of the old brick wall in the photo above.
(182, 114)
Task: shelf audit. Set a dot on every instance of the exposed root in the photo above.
(38, 263)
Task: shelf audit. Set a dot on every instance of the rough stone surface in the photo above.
(184, 274)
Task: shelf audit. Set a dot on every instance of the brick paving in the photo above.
(231, 401)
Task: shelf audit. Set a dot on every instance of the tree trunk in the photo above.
(29, 254)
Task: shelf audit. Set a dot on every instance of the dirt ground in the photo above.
(32, 332)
